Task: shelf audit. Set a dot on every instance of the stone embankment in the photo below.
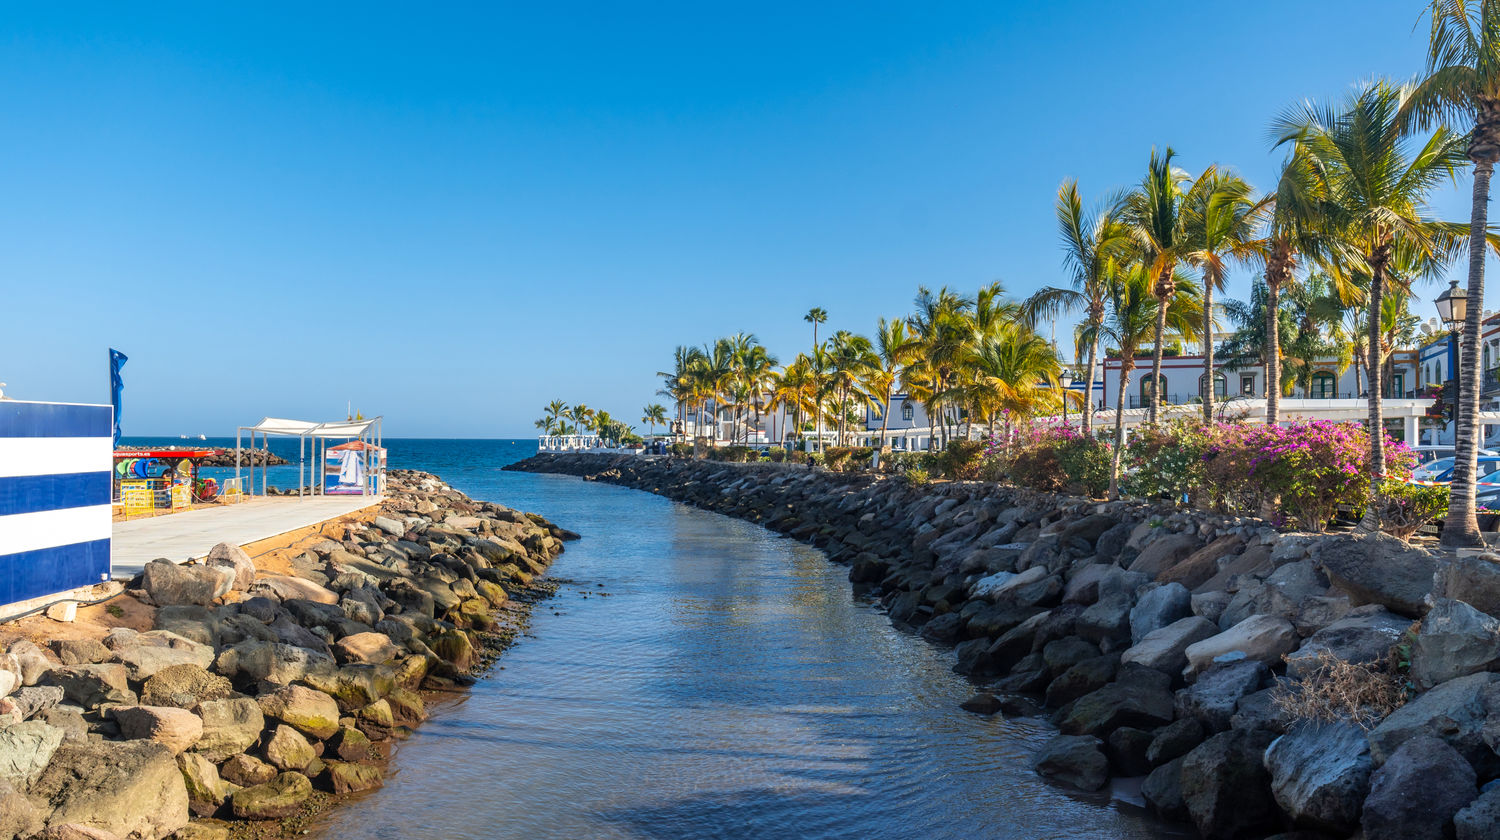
(1167, 644)
(245, 701)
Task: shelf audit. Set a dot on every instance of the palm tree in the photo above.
(1093, 244)
(1300, 212)
(851, 358)
(893, 348)
(555, 412)
(1221, 222)
(1130, 322)
(654, 414)
(941, 328)
(1014, 372)
(677, 384)
(583, 416)
(815, 316)
(1463, 86)
(1378, 188)
(1154, 215)
(793, 392)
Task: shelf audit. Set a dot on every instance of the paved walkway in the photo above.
(183, 536)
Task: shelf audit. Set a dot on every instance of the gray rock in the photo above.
(1107, 623)
(131, 788)
(1110, 543)
(90, 685)
(1226, 788)
(1215, 697)
(25, 750)
(1263, 638)
(1416, 793)
(1075, 760)
(1162, 791)
(272, 662)
(200, 624)
(1379, 569)
(169, 584)
(1320, 775)
(158, 649)
(1364, 636)
(1083, 585)
(230, 726)
(1126, 749)
(1118, 704)
(235, 559)
(1164, 553)
(1455, 711)
(1211, 605)
(184, 686)
(1454, 640)
(1173, 741)
(79, 651)
(1087, 676)
(33, 700)
(1473, 579)
(1480, 820)
(1166, 649)
(1157, 607)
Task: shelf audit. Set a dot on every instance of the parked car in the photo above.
(1440, 470)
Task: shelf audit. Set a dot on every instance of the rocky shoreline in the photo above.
(255, 698)
(1260, 683)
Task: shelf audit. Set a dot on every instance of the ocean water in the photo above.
(701, 677)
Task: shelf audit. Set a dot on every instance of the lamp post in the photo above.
(1066, 378)
(1453, 309)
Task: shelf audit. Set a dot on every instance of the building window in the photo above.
(1247, 384)
(1398, 385)
(1221, 384)
(1146, 388)
(1323, 387)
(907, 411)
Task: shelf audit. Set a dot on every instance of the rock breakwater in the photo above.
(1198, 652)
(244, 700)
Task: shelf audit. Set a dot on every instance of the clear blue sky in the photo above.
(451, 216)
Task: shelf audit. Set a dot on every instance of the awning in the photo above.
(356, 446)
(297, 428)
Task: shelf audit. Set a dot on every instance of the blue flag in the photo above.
(117, 360)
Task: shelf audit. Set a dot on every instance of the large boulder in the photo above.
(1455, 711)
(19, 816)
(1320, 775)
(1162, 791)
(1165, 649)
(1263, 638)
(1197, 568)
(79, 651)
(176, 729)
(1076, 760)
(1158, 607)
(286, 749)
(1226, 788)
(25, 750)
(1364, 636)
(306, 710)
(1164, 553)
(1480, 820)
(89, 686)
(1454, 640)
(184, 686)
(272, 662)
(131, 788)
(150, 652)
(1380, 569)
(350, 777)
(206, 789)
(235, 559)
(1215, 697)
(287, 588)
(1139, 703)
(1417, 792)
(1473, 579)
(168, 584)
(246, 770)
(277, 799)
(230, 726)
(200, 624)
(369, 648)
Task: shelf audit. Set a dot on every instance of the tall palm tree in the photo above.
(1378, 188)
(1221, 226)
(815, 316)
(1130, 322)
(555, 410)
(1463, 86)
(851, 357)
(583, 416)
(677, 384)
(1155, 215)
(1014, 372)
(1295, 226)
(653, 415)
(893, 347)
(793, 393)
(1093, 245)
(756, 366)
(942, 328)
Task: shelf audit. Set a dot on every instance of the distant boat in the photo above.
(203, 437)
(184, 437)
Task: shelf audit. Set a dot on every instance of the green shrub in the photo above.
(1405, 508)
(1063, 460)
(916, 476)
(681, 450)
(777, 454)
(896, 463)
(962, 460)
(1166, 461)
(848, 458)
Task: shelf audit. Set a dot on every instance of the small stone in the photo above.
(982, 703)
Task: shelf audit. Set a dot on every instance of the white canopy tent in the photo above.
(316, 436)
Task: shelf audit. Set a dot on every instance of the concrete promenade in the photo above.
(189, 535)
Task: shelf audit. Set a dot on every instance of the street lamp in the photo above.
(1067, 382)
(1453, 309)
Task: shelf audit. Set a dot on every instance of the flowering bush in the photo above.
(1061, 459)
(1404, 508)
(1167, 461)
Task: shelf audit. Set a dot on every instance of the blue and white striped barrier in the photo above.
(55, 462)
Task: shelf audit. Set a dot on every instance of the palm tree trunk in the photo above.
(1377, 261)
(1119, 447)
(1156, 353)
(885, 418)
(1273, 351)
(1208, 346)
(1462, 525)
(1088, 387)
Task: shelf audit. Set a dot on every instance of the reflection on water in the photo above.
(728, 686)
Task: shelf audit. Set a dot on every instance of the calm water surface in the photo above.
(728, 686)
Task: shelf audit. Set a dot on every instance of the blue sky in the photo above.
(451, 215)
